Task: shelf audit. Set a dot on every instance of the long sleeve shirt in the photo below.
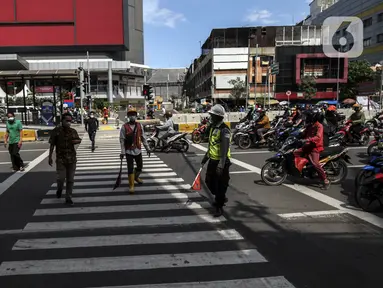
(168, 126)
(314, 134)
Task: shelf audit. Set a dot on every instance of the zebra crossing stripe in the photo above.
(136, 197)
(115, 171)
(100, 264)
(120, 223)
(265, 282)
(101, 183)
(114, 166)
(125, 240)
(117, 162)
(120, 208)
(143, 175)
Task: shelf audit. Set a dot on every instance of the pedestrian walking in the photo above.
(14, 139)
(131, 137)
(91, 126)
(106, 115)
(64, 139)
(218, 154)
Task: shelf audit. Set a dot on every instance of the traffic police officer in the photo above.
(218, 154)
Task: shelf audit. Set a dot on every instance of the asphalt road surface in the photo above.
(164, 235)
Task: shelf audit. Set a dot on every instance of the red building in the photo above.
(54, 27)
(297, 62)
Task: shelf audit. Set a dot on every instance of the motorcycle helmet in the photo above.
(168, 114)
(313, 116)
(356, 107)
(331, 108)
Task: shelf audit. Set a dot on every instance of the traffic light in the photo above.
(148, 93)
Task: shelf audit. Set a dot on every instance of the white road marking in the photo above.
(124, 169)
(9, 163)
(121, 208)
(113, 166)
(153, 188)
(26, 150)
(267, 282)
(367, 217)
(124, 181)
(17, 175)
(116, 162)
(143, 176)
(78, 265)
(120, 198)
(121, 223)
(125, 240)
(114, 158)
(313, 214)
(242, 172)
(356, 166)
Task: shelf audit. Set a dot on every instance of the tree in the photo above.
(359, 71)
(308, 87)
(238, 90)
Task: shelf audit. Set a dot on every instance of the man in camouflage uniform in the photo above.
(64, 139)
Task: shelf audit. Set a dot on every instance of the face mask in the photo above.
(132, 118)
(66, 124)
(11, 119)
(91, 116)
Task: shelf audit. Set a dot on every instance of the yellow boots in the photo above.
(131, 183)
(137, 177)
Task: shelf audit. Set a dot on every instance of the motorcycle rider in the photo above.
(264, 124)
(331, 116)
(168, 127)
(91, 126)
(249, 115)
(313, 144)
(358, 118)
(131, 136)
(218, 154)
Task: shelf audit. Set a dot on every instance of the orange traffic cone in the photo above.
(197, 181)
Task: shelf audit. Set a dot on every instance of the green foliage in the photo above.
(359, 71)
(308, 87)
(238, 90)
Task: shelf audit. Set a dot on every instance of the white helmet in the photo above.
(218, 110)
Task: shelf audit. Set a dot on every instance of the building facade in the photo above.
(371, 12)
(72, 27)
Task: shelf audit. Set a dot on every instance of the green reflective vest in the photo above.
(214, 151)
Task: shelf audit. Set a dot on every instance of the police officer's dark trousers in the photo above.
(92, 137)
(217, 184)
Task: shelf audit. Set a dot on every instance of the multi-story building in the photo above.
(246, 54)
(42, 46)
(371, 12)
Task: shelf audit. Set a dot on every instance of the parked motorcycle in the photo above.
(276, 169)
(375, 121)
(201, 134)
(375, 145)
(178, 141)
(375, 163)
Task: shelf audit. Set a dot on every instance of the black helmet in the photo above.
(168, 114)
(313, 116)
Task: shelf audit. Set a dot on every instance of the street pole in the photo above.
(144, 95)
(381, 87)
(82, 94)
(87, 60)
(337, 82)
(255, 73)
(268, 85)
(248, 73)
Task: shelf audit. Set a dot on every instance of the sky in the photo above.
(173, 29)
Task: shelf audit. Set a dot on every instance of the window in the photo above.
(380, 17)
(367, 22)
(379, 38)
(367, 42)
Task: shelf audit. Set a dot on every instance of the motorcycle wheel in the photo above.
(244, 142)
(371, 148)
(196, 137)
(268, 177)
(271, 143)
(365, 196)
(338, 170)
(184, 146)
(360, 177)
(364, 140)
(151, 145)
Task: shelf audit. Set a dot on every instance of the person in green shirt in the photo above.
(13, 138)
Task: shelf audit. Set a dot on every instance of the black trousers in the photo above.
(16, 160)
(217, 184)
(92, 137)
(130, 159)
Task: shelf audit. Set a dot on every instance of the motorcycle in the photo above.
(178, 141)
(249, 137)
(332, 159)
(240, 128)
(375, 163)
(342, 136)
(375, 121)
(375, 145)
(370, 189)
(201, 134)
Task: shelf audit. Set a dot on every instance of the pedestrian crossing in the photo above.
(163, 236)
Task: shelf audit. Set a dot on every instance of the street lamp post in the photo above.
(251, 36)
